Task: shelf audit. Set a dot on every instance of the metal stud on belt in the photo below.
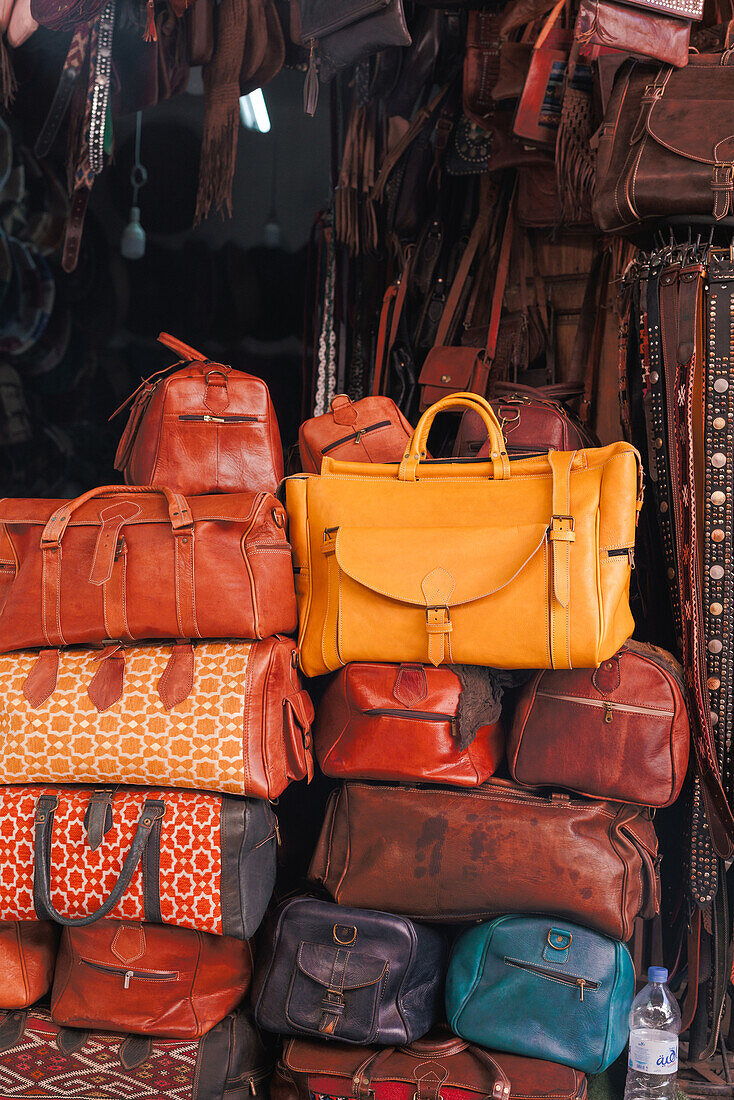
(100, 92)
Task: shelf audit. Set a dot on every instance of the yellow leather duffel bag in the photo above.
(516, 564)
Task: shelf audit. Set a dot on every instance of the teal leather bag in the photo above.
(542, 988)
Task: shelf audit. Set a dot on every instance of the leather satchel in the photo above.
(27, 958)
(135, 563)
(228, 1063)
(633, 29)
(148, 979)
(665, 148)
(448, 563)
(370, 430)
(453, 855)
(542, 988)
(410, 723)
(620, 732)
(76, 855)
(221, 716)
(203, 429)
(530, 422)
(438, 1067)
(349, 974)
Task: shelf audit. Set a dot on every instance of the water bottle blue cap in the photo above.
(657, 974)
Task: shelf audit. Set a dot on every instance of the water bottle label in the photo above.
(648, 1055)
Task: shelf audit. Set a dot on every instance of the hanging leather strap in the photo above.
(393, 305)
(64, 93)
(500, 283)
(420, 119)
(46, 806)
(694, 966)
(561, 536)
(333, 1005)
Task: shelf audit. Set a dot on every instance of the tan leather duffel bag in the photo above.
(515, 564)
(128, 564)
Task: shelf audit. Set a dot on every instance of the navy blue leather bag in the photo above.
(350, 974)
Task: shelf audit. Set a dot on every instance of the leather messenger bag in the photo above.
(453, 855)
(449, 562)
(134, 563)
(666, 146)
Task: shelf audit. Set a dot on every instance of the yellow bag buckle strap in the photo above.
(561, 536)
(438, 629)
(330, 636)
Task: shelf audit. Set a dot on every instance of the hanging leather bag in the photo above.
(370, 430)
(203, 429)
(632, 29)
(134, 563)
(453, 855)
(349, 974)
(228, 1063)
(620, 732)
(27, 959)
(531, 421)
(410, 723)
(77, 855)
(542, 988)
(666, 124)
(148, 979)
(216, 716)
(445, 563)
(441, 1066)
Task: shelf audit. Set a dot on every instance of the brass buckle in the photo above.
(555, 946)
(344, 943)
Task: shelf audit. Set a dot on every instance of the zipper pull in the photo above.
(214, 419)
(581, 984)
(128, 975)
(631, 556)
(278, 841)
(608, 713)
(253, 1087)
(358, 435)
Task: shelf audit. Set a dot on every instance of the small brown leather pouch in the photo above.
(514, 64)
(633, 30)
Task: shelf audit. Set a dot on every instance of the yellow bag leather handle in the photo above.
(417, 451)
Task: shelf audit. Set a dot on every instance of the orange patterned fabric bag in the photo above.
(76, 855)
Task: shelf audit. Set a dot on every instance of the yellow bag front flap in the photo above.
(437, 565)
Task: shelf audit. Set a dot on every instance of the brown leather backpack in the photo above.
(204, 429)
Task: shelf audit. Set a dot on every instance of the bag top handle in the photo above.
(417, 451)
(178, 347)
(178, 510)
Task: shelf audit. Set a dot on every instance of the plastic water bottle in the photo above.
(653, 1050)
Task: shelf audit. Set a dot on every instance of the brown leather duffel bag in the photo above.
(453, 855)
(135, 563)
(27, 958)
(666, 145)
(440, 1067)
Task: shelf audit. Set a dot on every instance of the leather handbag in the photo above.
(410, 723)
(135, 563)
(149, 979)
(545, 989)
(448, 563)
(349, 974)
(632, 29)
(228, 1063)
(370, 430)
(454, 855)
(344, 32)
(76, 855)
(530, 422)
(27, 958)
(664, 125)
(438, 1067)
(221, 716)
(620, 732)
(203, 429)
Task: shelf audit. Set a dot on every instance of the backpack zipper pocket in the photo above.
(207, 419)
(354, 437)
(607, 707)
(421, 715)
(128, 975)
(564, 979)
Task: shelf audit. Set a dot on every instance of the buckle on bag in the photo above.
(558, 533)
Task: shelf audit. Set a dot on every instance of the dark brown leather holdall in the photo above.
(27, 958)
(440, 1066)
(454, 855)
(619, 731)
(666, 146)
(128, 564)
(149, 979)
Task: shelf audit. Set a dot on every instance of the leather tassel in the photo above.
(311, 86)
(177, 680)
(8, 83)
(151, 34)
(106, 686)
(40, 683)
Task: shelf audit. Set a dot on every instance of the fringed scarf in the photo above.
(575, 158)
(221, 118)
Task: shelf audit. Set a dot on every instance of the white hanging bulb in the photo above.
(132, 241)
